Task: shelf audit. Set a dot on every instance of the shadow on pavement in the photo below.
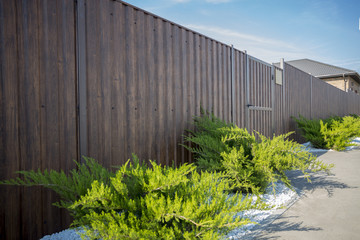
(283, 226)
(318, 181)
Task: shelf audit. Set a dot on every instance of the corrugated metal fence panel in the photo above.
(38, 110)
(298, 97)
(240, 90)
(320, 99)
(146, 79)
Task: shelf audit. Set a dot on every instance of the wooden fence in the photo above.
(106, 79)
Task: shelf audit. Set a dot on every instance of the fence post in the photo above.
(284, 111)
(232, 85)
(81, 78)
(247, 86)
(311, 96)
(273, 100)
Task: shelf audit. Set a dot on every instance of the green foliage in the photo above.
(161, 203)
(249, 163)
(339, 133)
(69, 188)
(141, 202)
(274, 156)
(206, 141)
(331, 133)
(311, 131)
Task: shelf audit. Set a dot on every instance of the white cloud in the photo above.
(266, 49)
(231, 34)
(271, 49)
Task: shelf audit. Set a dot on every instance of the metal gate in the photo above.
(259, 96)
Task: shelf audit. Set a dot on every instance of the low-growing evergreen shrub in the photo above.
(311, 131)
(338, 134)
(162, 203)
(251, 164)
(142, 202)
(331, 133)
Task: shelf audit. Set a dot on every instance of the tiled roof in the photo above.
(319, 69)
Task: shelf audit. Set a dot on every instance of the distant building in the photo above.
(342, 78)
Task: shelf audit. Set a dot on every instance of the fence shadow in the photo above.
(318, 181)
(283, 226)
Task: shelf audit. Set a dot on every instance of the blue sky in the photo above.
(322, 30)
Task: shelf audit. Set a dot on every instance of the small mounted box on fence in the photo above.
(278, 76)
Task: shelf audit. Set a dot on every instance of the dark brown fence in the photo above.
(107, 79)
(38, 127)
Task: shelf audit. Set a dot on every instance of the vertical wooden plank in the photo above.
(92, 77)
(242, 80)
(219, 80)
(226, 85)
(140, 82)
(105, 61)
(118, 85)
(191, 82)
(130, 68)
(68, 101)
(228, 80)
(176, 96)
(184, 120)
(151, 108)
(213, 86)
(29, 119)
(161, 94)
(197, 74)
(49, 114)
(10, 211)
(81, 77)
(202, 72)
(209, 76)
(169, 91)
(236, 96)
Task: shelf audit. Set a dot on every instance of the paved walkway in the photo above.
(329, 208)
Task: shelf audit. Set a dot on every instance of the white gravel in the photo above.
(68, 234)
(281, 200)
(310, 148)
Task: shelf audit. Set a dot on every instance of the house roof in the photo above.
(322, 70)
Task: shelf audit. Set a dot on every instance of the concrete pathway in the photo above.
(329, 207)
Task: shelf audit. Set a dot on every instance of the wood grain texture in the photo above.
(39, 92)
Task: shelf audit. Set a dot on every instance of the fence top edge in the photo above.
(171, 22)
(230, 46)
(260, 61)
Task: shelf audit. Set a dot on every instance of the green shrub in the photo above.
(141, 202)
(70, 187)
(311, 131)
(249, 163)
(206, 142)
(162, 203)
(331, 133)
(339, 133)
